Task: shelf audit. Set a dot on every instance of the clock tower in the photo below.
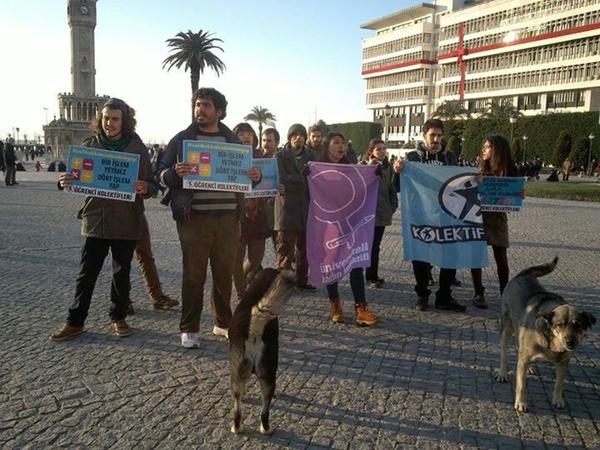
(80, 106)
(82, 21)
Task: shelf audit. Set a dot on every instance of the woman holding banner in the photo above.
(496, 160)
(335, 152)
(387, 203)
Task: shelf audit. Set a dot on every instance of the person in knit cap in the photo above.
(291, 208)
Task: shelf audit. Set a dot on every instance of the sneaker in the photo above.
(422, 304)
(375, 285)
(456, 283)
(479, 301)
(363, 316)
(120, 328)
(450, 305)
(218, 331)
(164, 302)
(67, 332)
(336, 314)
(190, 340)
(307, 287)
(130, 309)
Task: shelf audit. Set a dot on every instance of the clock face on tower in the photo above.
(84, 10)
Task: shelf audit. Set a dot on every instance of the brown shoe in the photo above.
(67, 332)
(363, 316)
(337, 314)
(120, 328)
(421, 304)
(164, 302)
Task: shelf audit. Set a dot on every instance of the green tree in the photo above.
(453, 146)
(562, 148)
(500, 109)
(194, 51)
(450, 110)
(578, 155)
(262, 116)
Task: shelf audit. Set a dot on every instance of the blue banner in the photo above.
(269, 181)
(441, 216)
(103, 173)
(217, 166)
(501, 193)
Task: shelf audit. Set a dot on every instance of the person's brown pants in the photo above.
(143, 254)
(286, 243)
(207, 236)
(256, 253)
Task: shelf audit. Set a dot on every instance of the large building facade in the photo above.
(78, 107)
(541, 56)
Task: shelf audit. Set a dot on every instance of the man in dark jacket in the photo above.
(291, 208)
(10, 164)
(431, 152)
(208, 222)
(114, 225)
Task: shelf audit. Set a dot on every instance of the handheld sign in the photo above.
(501, 193)
(103, 173)
(217, 166)
(269, 181)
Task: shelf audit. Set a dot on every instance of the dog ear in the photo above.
(587, 319)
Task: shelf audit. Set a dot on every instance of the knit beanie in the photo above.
(297, 128)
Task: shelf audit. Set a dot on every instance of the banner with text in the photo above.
(269, 180)
(341, 219)
(217, 166)
(501, 193)
(103, 173)
(441, 216)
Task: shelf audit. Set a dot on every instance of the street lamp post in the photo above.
(387, 111)
(512, 121)
(589, 165)
(18, 129)
(46, 111)
(524, 146)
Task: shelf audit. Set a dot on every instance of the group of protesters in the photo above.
(230, 232)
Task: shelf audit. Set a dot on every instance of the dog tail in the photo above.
(270, 304)
(540, 271)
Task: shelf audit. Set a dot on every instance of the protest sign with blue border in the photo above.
(103, 173)
(501, 193)
(441, 216)
(217, 166)
(269, 181)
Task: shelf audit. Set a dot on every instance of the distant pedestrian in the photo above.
(10, 164)
(38, 166)
(567, 165)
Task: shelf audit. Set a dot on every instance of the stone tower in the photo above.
(78, 107)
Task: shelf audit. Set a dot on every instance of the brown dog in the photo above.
(548, 329)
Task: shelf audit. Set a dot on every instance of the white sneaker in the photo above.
(190, 340)
(218, 331)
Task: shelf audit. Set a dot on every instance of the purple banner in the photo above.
(341, 219)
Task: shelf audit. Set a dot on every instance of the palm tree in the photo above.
(195, 50)
(451, 109)
(501, 109)
(262, 116)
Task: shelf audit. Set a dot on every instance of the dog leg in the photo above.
(520, 403)
(237, 394)
(267, 388)
(505, 337)
(557, 397)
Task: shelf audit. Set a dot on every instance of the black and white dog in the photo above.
(254, 340)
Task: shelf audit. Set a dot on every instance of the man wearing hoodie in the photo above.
(208, 222)
(430, 151)
(291, 208)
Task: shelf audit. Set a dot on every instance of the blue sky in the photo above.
(299, 59)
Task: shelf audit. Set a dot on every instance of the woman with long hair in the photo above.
(387, 203)
(334, 147)
(496, 160)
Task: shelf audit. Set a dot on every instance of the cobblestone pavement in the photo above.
(414, 380)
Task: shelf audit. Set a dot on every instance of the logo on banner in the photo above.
(347, 201)
(459, 198)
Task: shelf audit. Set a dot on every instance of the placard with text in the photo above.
(269, 180)
(217, 166)
(501, 193)
(103, 173)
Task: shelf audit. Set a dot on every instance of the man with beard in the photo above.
(315, 141)
(208, 222)
(291, 208)
(430, 151)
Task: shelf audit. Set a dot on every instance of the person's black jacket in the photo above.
(181, 199)
(420, 154)
(10, 158)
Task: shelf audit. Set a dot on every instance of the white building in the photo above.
(541, 55)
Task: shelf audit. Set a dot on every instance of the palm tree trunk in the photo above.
(260, 128)
(195, 79)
